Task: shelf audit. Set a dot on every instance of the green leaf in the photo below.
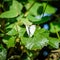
(14, 29)
(9, 14)
(3, 54)
(16, 6)
(25, 21)
(10, 42)
(19, 17)
(30, 1)
(10, 26)
(34, 20)
(54, 42)
(36, 9)
(14, 11)
(49, 9)
(38, 41)
(12, 32)
(54, 27)
(22, 31)
(27, 6)
(1, 47)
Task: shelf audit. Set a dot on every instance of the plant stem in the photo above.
(57, 35)
(29, 9)
(56, 32)
(45, 8)
(2, 31)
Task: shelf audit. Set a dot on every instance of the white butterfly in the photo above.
(30, 30)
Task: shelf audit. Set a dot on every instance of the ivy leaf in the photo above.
(14, 11)
(10, 42)
(54, 27)
(49, 9)
(38, 41)
(54, 42)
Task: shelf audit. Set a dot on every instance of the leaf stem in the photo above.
(57, 35)
(56, 32)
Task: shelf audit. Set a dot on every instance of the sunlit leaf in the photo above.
(31, 1)
(9, 14)
(49, 9)
(38, 21)
(22, 31)
(14, 11)
(26, 21)
(14, 29)
(36, 9)
(16, 6)
(54, 42)
(10, 42)
(38, 41)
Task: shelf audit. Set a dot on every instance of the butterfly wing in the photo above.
(27, 29)
(30, 30)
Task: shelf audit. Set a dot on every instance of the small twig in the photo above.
(55, 51)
